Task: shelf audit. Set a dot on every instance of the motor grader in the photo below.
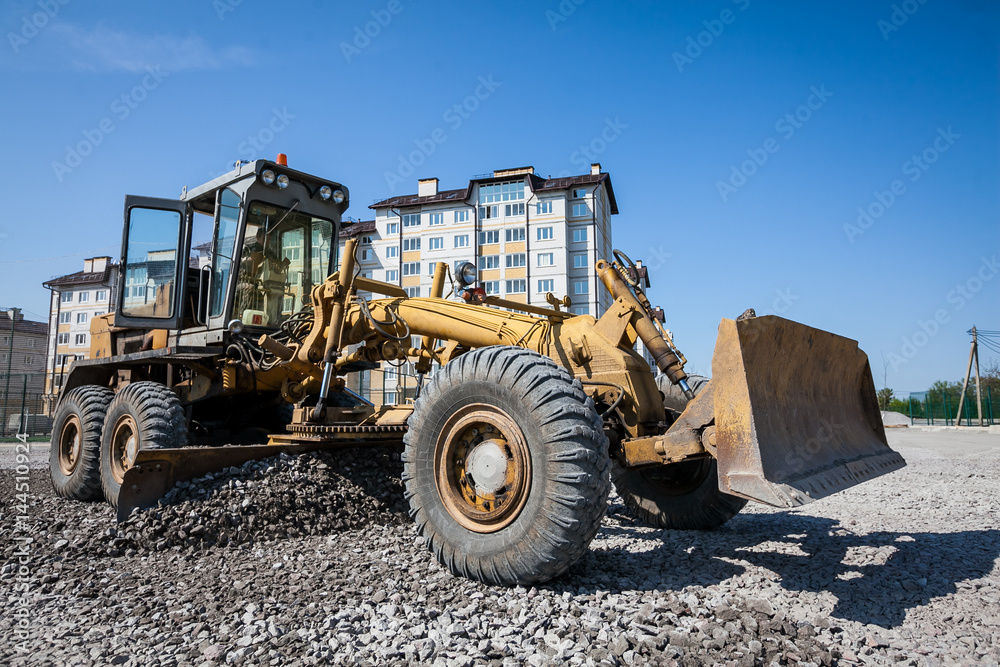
(524, 415)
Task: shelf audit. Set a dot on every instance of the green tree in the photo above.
(885, 397)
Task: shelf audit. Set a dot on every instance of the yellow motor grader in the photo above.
(527, 416)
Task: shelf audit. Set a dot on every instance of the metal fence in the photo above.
(941, 407)
(23, 405)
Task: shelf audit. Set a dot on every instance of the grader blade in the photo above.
(795, 411)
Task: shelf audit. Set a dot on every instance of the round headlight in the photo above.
(282, 181)
(466, 274)
(325, 192)
(267, 176)
(338, 196)
(235, 326)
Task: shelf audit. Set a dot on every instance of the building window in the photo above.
(28, 360)
(98, 313)
(288, 304)
(489, 262)
(580, 235)
(411, 244)
(462, 216)
(498, 192)
(580, 260)
(31, 342)
(411, 269)
(462, 241)
(62, 339)
(392, 251)
(411, 220)
(430, 268)
(581, 287)
(515, 260)
(513, 209)
(435, 219)
(513, 235)
(544, 233)
(102, 295)
(546, 259)
(392, 228)
(366, 253)
(492, 287)
(492, 236)
(66, 297)
(546, 285)
(392, 276)
(84, 297)
(80, 339)
(580, 310)
(65, 318)
(390, 398)
(366, 239)
(436, 243)
(81, 318)
(518, 286)
(412, 291)
(387, 212)
(543, 207)
(579, 193)
(486, 212)
(581, 209)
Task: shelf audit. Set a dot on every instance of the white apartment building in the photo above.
(528, 235)
(75, 300)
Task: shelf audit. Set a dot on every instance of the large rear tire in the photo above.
(506, 467)
(683, 495)
(74, 458)
(143, 415)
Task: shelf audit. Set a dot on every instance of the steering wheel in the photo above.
(626, 268)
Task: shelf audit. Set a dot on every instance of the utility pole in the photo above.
(973, 355)
(12, 312)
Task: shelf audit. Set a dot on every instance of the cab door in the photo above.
(155, 240)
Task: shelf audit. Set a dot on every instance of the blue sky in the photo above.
(742, 137)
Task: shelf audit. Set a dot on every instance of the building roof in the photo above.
(22, 325)
(350, 229)
(82, 278)
(538, 184)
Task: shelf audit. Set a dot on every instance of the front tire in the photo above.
(143, 415)
(685, 495)
(506, 467)
(74, 458)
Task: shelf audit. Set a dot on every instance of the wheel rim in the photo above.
(124, 446)
(70, 445)
(482, 468)
(678, 479)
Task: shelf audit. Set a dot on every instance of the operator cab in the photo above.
(271, 237)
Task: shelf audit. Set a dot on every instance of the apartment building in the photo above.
(528, 235)
(75, 300)
(22, 365)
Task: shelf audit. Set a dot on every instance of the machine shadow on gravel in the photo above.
(876, 577)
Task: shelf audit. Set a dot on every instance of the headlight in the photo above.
(325, 192)
(282, 181)
(235, 326)
(338, 196)
(466, 274)
(267, 176)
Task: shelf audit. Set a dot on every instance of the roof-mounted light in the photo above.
(267, 176)
(282, 181)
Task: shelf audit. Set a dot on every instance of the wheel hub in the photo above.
(70, 446)
(482, 468)
(124, 447)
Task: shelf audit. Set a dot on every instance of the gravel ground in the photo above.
(313, 560)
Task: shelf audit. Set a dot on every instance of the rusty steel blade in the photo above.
(796, 413)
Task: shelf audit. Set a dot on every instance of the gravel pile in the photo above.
(901, 570)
